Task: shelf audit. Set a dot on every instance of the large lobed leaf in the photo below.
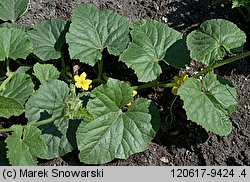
(150, 41)
(55, 136)
(214, 38)
(209, 103)
(50, 101)
(50, 98)
(24, 145)
(93, 30)
(14, 43)
(48, 37)
(115, 133)
(12, 9)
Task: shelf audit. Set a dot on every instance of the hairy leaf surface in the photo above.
(10, 107)
(209, 104)
(12, 9)
(50, 98)
(45, 72)
(214, 38)
(24, 145)
(14, 43)
(150, 41)
(115, 133)
(92, 30)
(48, 37)
(20, 87)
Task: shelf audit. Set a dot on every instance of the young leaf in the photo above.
(115, 133)
(51, 97)
(45, 72)
(10, 107)
(19, 88)
(214, 39)
(48, 37)
(93, 30)
(150, 40)
(209, 104)
(24, 145)
(14, 43)
(12, 9)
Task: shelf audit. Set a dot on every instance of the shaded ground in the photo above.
(179, 142)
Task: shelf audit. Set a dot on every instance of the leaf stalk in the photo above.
(221, 63)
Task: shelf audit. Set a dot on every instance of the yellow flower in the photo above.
(82, 82)
(178, 82)
(134, 94)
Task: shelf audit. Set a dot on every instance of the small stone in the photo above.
(164, 160)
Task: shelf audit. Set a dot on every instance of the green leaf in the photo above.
(50, 101)
(19, 88)
(22, 69)
(24, 145)
(93, 30)
(150, 41)
(214, 39)
(51, 97)
(55, 136)
(209, 104)
(10, 107)
(12, 9)
(45, 72)
(115, 132)
(14, 43)
(178, 54)
(238, 3)
(48, 37)
(15, 25)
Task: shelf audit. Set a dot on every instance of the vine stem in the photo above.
(9, 74)
(221, 63)
(153, 84)
(46, 121)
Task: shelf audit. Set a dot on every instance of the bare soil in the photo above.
(179, 142)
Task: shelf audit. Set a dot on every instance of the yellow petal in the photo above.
(83, 76)
(78, 84)
(175, 90)
(76, 78)
(134, 93)
(86, 84)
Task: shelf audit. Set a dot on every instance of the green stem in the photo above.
(153, 84)
(64, 70)
(46, 121)
(100, 70)
(63, 63)
(2, 86)
(221, 63)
